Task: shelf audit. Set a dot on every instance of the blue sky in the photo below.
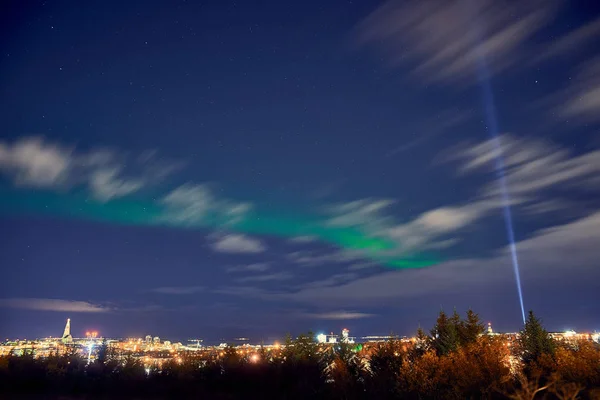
(225, 169)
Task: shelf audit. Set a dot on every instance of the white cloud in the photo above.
(33, 162)
(105, 184)
(361, 265)
(37, 162)
(445, 40)
(562, 252)
(532, 168)
(191, 204)
(303, 239)
(177, 290)
(52, 305)
(583, 95)
(571, 42)
(238, 243)
(338, 315)
(531, 165)
(427, 230)
(310, 259)
(359, 213)
(256, 267)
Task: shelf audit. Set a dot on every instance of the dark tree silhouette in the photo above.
(444, 335)
(534, 340)
(471, 328)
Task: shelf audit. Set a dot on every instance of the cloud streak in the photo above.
(256, 267)
(57, 305)
(238, 243)
(338, 315)
(541, 255)
(38, 163)
(442, 40)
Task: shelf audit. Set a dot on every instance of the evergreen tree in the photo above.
(444, 335)
(102, 352)
(534, 340)
(422, 342)
(471, 328)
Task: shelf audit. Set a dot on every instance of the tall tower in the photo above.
(66, 337)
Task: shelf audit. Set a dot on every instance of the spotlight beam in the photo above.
(493, 130)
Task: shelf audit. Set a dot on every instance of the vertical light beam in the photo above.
(492, 122)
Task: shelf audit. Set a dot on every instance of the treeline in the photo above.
(455, 360)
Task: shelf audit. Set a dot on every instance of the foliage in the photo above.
(455, 362)
(534, 340)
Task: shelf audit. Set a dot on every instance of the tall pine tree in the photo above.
(534, 340)
(444, 335)
(471, 328)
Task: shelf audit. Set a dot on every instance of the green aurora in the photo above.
(136, 211)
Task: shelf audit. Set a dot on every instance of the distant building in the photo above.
(345, 336)
(148, 339)
(66, 337)
(156, 340)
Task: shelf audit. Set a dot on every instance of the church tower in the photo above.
(66, 337)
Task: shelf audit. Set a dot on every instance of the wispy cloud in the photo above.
(532, 165)
(361, 265)
(53, 305)
(359, 213)
(303, 239)
(243, 291)
(338, 315)
(431, 128)
(40, 163)
(443, 40)
(583, 95)
(106, 184)
(571, 42)
(430, 229)
(311, 259)
(33, 162)
(564, 251)
(333, 280)
(238, 243)
(533, 168)
(278, 276)
(177, 290)
(194, 203)
(256, 267)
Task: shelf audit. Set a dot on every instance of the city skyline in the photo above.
(228, 170)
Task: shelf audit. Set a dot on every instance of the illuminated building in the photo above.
(490, 331)
(345, 333)
(345, 338)
(148, 339)
(321, 338)
(156, 340)
(66, 337)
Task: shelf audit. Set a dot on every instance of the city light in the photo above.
(154, 354)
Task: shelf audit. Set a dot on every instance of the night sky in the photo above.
(218, 169)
